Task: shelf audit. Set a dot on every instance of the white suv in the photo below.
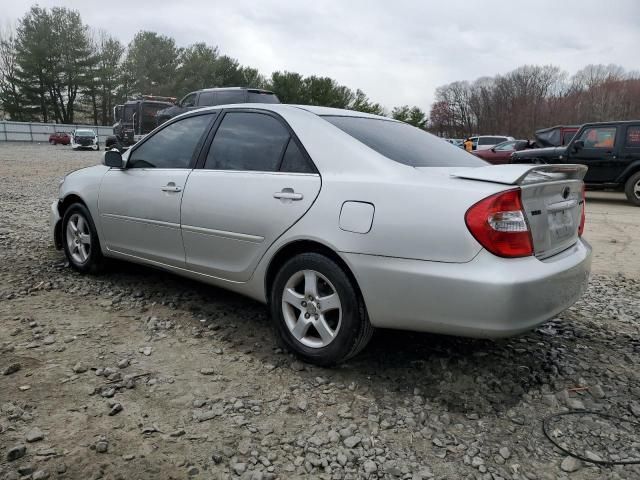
(485, 142)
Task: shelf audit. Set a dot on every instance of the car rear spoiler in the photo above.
(523, 174)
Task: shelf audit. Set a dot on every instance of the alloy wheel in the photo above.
(78, 238)
(636, 189)
(311, 308)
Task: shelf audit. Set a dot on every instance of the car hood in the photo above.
(541, 152)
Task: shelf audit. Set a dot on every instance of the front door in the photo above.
(256, 183)
(598, 153)
(140, 205)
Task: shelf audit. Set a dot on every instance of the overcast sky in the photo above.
(397, 51)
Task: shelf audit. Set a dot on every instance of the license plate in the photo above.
(561, 224)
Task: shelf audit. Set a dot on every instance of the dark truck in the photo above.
(611, 150)
(555, 136)
(134, 119)
(216, 96)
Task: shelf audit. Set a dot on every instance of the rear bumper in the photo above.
(55, 222)
(488, 297)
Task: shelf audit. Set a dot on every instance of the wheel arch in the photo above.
(297, 247)
(69, 200)
(632, 168)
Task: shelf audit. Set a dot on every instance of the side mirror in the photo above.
(493, 149)
(113, 158)
(578, 145)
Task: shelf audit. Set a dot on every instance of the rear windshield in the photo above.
(404, 144)
(85, 133)
(262, 97)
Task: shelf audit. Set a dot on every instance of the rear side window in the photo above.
(230, 96)
(171, 147)
(294, 161)
(248, 141)
(633, 137)
(261, 97)
(206, 99)
(491, 140)
(403, 143)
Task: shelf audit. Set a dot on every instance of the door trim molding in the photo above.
(158, 223)
(243, 237)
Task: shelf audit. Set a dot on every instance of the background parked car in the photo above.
(611, 150)
(216, 96)
(458, 142)
(61, 138)
(501, 153)
(485, 142)
(84, 138)
(555, 136)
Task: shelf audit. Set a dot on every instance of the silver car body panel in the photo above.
(413, 257)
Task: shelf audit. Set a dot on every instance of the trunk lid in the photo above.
(551, 198)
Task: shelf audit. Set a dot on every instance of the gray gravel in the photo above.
(141, 374)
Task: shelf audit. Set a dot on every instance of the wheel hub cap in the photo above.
(311, 308)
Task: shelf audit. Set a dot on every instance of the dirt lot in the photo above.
(138, 374)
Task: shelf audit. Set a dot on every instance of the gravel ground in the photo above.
(138, 374)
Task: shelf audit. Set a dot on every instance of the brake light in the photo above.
(584, 207)
(498, 223)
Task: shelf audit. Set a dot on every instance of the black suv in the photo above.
(611, 150)
(216, 96)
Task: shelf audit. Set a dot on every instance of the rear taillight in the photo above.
(498, 223)
(583, 215)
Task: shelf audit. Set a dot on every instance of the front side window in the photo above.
(171, 147)
(599, 137)
(403, 143)
(189, 101)
(248, 141)
(632, 137)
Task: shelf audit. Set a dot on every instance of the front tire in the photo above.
(317, 311)
(632, 189)
(80, 240)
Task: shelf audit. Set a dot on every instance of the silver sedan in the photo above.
(340, 221)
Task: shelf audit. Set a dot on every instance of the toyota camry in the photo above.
(340, 221)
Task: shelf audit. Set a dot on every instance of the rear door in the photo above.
(599, 153)
(140, 206)
(256, 181)
(630, 151)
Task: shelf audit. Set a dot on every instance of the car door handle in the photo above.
(171, 187)
(288, 194)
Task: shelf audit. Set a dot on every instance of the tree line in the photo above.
(532, 97)
(55, 68)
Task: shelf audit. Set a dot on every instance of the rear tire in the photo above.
(632, 189)
(317, 312)
(80, 240)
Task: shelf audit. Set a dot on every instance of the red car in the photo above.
(59, 138)
(501, 153)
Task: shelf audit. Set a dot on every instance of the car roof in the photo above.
(221, 89)
(284, 107)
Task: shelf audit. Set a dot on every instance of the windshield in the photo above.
(85, 133)
(403, 143)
